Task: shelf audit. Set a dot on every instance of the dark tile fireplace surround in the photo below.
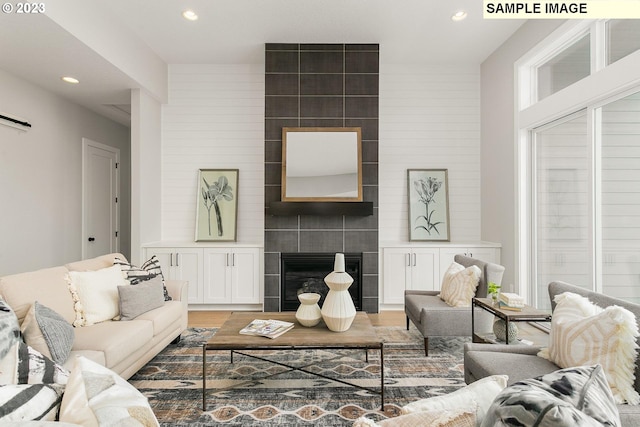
(321, 85)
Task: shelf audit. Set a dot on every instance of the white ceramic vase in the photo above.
(308, 313)
(338, 310)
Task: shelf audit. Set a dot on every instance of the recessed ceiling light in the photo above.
(190, 15)
(459, 15)
(70, 79)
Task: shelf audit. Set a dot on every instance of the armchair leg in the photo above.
(407, 323)
(426, 346)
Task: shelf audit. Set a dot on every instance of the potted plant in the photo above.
(493, 291)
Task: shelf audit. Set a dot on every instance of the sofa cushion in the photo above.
(96, 294)
(48, 285)
(117, 340)
(24, 402)
(46, 331)
(583, 333)
(134, 300)
(93, 264)
(568, 397)
(96, 396)
(163, 317)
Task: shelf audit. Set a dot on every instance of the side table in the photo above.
(527, 314)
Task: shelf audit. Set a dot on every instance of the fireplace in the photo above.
(305, 272)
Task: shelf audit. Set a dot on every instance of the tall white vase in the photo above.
(338, 310)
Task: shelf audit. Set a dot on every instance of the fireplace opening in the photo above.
(305, 272)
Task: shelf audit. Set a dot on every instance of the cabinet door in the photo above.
(485, 254)
(217, 276)
(425, 269)
(245, 276)
(187, 265)
(396, 274)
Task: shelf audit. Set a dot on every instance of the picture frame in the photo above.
(428, 191)
(217, 205)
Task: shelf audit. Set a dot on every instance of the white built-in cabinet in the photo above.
(219, 276)
(421, 266)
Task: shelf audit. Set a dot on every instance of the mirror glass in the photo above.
(321, 164)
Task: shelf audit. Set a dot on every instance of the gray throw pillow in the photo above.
(140, 298)
(57, 332)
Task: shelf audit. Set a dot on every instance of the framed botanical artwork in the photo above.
(217, 207)
(428, 205)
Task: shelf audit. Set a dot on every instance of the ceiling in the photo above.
(235, 31)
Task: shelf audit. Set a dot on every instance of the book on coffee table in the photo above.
(267, 328)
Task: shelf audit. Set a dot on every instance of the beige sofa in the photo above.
(122, 346)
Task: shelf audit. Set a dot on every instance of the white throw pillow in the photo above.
(95, 294)
(583, 333)
(437, 418)
(96, 396)
(459, 285)
(476, 397)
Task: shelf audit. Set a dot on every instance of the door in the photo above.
(217, 275)
(425, 269)
(396, 274)
(100, 213)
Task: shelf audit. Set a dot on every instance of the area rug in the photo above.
(250, 392)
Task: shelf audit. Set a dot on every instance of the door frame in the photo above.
(86, 143)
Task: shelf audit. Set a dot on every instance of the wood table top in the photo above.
(361, 334)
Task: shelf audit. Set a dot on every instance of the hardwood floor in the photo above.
(215, 319)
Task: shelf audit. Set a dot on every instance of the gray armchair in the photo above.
(434, 317)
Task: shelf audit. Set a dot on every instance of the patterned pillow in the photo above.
(570, 397)
(459, 285)
(30, 402)
(96, 396)
(148, 270)
(583, 333)
(24, 365)
(48, 332)
(437, 418)
(9, 329)
(95, 294)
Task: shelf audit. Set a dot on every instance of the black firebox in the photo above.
(305, 272)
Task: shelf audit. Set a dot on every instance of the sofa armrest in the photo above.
(503, 348)
(178, 289)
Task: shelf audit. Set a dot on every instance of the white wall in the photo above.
(214, 120)
(40, 176)
(429, 119)
(498, 141)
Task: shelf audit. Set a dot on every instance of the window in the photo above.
(567, 67)
(623, 37)
(620, 198)
(579, 161)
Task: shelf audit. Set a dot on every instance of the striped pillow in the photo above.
(459, 285)
(583, 333)
(30, 402)
(148, 270)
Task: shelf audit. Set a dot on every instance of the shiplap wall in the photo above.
(429, 119)
(214, 120)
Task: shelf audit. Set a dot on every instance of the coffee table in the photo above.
(361, 336)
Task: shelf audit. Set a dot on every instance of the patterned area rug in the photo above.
(251, 392)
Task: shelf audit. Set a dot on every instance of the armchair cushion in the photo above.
(459, 285)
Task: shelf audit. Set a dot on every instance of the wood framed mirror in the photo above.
(321, 164)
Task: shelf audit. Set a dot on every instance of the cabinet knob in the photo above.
(91, 239)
